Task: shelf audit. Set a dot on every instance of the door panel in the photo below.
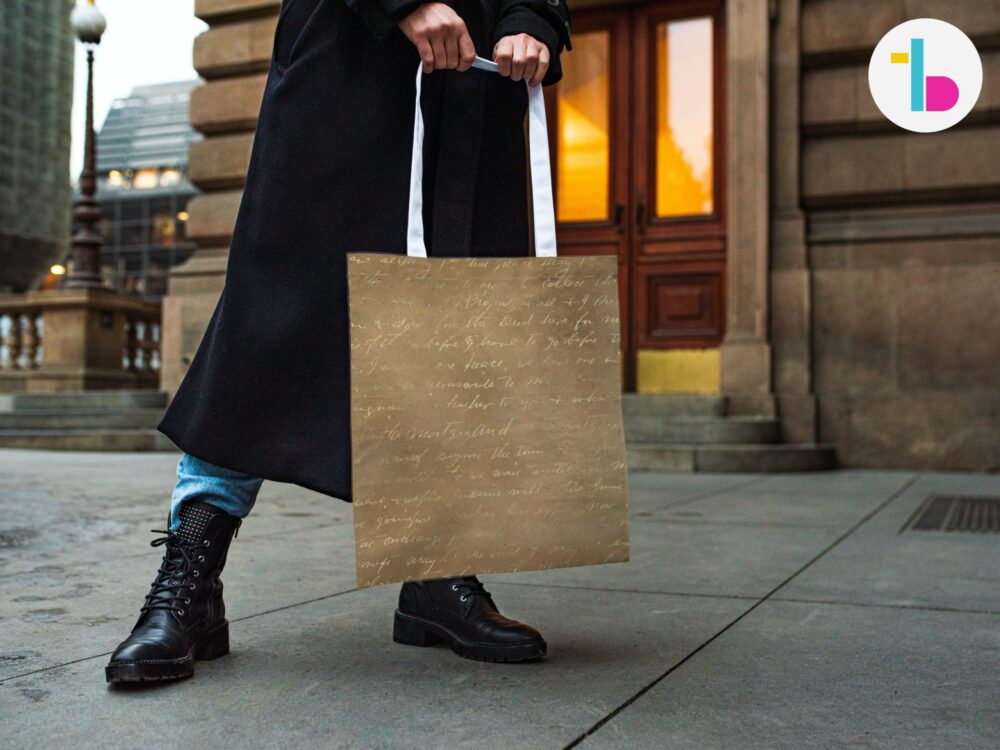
(680, 246)
(638, 157)
(589, 136)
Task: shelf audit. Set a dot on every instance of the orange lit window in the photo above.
(584, 158)
(164, 229)
(684, 133)
(145, 179)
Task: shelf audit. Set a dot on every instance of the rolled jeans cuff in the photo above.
(232, 492)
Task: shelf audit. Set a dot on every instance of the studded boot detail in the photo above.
(184, 617)
(461, 613)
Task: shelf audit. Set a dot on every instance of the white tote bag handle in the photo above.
(541, 173)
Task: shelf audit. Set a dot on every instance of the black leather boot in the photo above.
(184, 617)
(461, 613)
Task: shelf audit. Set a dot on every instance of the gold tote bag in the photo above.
(486, 423)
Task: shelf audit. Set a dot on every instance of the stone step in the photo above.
(86, 440)
(723, 459)
(649, 428)
(143, 398)
(673, 404)
(79, 419)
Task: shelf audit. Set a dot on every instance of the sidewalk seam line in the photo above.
(715, 492)
(656, 681)
(748, 597)
(238, 619)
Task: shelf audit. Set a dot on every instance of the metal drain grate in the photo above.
(956, 513)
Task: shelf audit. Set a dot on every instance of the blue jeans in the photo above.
(228, 490)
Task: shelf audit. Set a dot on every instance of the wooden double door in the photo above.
(636, 128)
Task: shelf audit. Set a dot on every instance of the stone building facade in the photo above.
(36, 46)
(779, 240)
(902, 249)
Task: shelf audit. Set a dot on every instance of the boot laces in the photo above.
(168, 591)
(469, 587)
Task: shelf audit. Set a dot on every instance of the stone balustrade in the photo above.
(77, 340)
(21, 328)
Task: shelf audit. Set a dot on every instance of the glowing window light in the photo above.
(145, 179)
(685, 136)
(169, 177)
(583, 143)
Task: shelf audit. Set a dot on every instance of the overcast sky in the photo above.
(147, 41)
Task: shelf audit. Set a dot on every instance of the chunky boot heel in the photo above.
(411, 632)
(216, 644)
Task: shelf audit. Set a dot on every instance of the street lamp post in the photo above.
(88, 24)
(93, 337)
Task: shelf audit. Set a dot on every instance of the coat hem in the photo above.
(226, 463)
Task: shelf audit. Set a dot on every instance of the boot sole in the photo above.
(214, 645)
(416, 631)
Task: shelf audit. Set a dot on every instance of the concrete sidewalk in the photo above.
(783, 611)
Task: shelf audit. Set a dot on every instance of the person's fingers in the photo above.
(531, 53)
(543, 66)
(502, 56)
(440, 36)
(426, 54)
(440, 56)
(451, 50)
(518, 60)
(466, 51)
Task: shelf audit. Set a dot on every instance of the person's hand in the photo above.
(440, 36)
(521, 56)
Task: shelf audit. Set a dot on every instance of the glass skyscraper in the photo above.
(143, 190)
(36, 99)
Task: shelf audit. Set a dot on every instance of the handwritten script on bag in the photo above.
(486, 424)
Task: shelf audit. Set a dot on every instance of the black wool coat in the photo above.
(268, 392)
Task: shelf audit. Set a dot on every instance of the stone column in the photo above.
(233, 58)
(791, 281)
(745, 356)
